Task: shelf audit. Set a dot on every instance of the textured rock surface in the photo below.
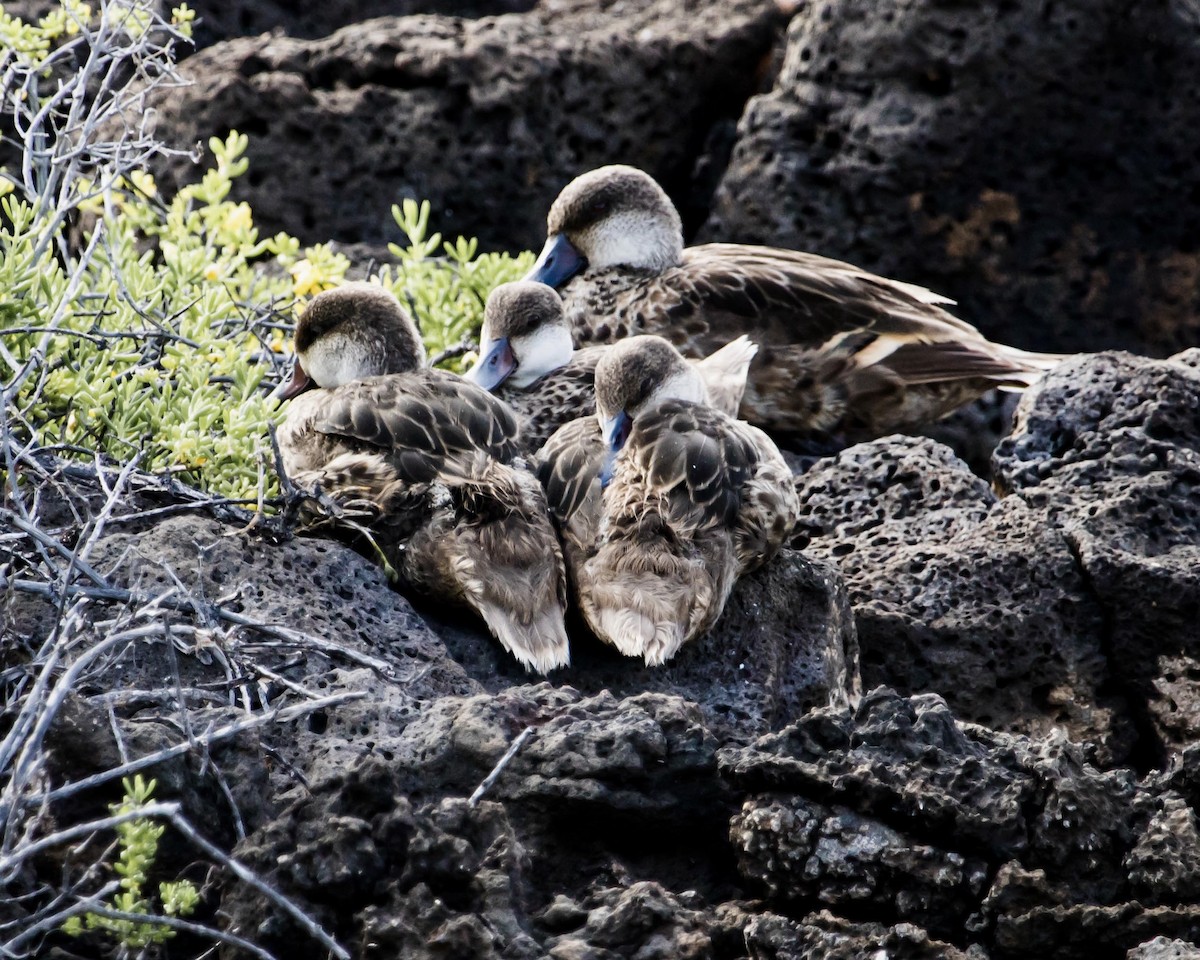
(1160, 948)
(1108, 449)
(785, 643)
(1044, 842)
(772, 937)
(956, 592)
(1070, 601)
(1030, 160)
(487, 119)
(221, 21)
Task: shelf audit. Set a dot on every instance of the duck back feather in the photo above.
(435, 461)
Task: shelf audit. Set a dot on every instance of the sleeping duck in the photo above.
(663, 501)
(528, 359)
(437, 460)
(841, 351)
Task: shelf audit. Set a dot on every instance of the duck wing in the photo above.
(787, 296)
(568, 467)
(419, 422)
(689, 459)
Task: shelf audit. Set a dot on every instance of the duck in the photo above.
(843, 353)
(527, 357)
(663, 501)
(435, 458)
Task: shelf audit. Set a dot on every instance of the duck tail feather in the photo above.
(541, 645)
(725, 371)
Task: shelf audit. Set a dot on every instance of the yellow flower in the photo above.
(212, 272)
(6, 186)
(238, 219)
(144, 182)
(307, 278)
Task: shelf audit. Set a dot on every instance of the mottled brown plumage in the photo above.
(434, 461)
(695, 500)
(550, 383)
(841, 350)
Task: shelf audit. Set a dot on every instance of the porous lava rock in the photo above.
(1031, 160)
(1107, 450)
(828, 937)
(960, 593)
(487, 119)
(1067, 597)
(785, 643)
(216, 21)
(1161, 948)
(984, 840)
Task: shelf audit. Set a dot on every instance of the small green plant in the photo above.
(162, 349)
(150, 331)
(445, 294)
(138, 843)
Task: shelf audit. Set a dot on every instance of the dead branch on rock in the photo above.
(498, 769)
(84, 131)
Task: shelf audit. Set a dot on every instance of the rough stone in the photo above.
(1107, 448)
(823, 936)
(785, 643)
(958, 593)
(390, 879)
(217, 21)
(487, 119)
(645, 756)
(803, 851)
(1031, 161)
(1086, 931)
(643, 920)
(910, 765)
(1164, 866)
(1162, 948)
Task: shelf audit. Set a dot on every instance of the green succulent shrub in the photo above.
(137, 841)
(158, 331)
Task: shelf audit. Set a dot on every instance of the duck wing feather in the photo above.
(419, 421)
(789, 296)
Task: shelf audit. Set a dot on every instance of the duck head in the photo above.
(633, 376)
(615, 216)
(357, 330)
(525, 336)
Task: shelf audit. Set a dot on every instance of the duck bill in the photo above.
(615, 432)
(558, 262)
(295, 385)
(496, 364)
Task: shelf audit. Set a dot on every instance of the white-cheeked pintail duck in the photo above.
(437, 458)
(663, 501)
(527, 358)
(842, 352)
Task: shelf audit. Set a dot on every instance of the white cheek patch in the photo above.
(540, 353)
(685, 384)
(334, 360)
(632, 239)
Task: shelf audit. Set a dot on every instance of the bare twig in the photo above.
(192, 605)
(95, 905)
(498, 769)
(310, 926)
(279, 715)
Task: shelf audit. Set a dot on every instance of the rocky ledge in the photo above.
(1019, 781)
